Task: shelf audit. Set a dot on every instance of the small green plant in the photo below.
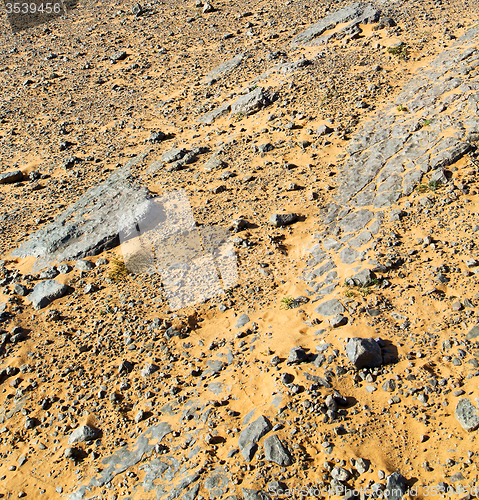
(430, 186)
(287, 302)
(118, 271)
(399, 51)
(401, 108)
(426, 122)
(253, 87)
(239, 117)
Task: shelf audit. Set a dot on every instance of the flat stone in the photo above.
(45, 292)
(242, 320)
(213, 164)
(355, 13)
(254, 431)
(224, 68)
(364, 353)
(467, 415)
(356, 221)
(209, 117)
(473, 333)
(10, 177)
(84, 265)
(275, 451)
(330, 308)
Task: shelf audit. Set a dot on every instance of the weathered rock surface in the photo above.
(467, 415)
(45, 292)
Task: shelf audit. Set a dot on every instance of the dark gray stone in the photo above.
(395, 486)
(467, 415)
(21, 290)
(10, 177)
(248, 451)
(297, 355)
(118, 56)
(280, 220)
(254, 432)
(364, 353)
(275, 451)
(46, 292)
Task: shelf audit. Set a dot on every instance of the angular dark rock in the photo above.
(254, 431)
(253, 101)
(10, 177)
(280, 220)
(364, 353)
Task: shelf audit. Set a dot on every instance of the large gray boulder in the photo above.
(253, 101)
(364, 353)
(82, 434)
(45, 292)
(467, 415)
(395, 486)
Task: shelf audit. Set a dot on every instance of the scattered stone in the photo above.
(253, 101)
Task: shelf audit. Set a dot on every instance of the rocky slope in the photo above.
(337, 145)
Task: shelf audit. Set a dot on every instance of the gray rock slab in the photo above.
(253, 101)
(209, 117)
(254, 432)
(467, 415)
(224, 68)
(242, 320)
(356, 13)
(173, 155)
(92, 224)
(127, 456)
(45, 292)
(10, 177)
(364, 353)
(356, 221)
(330, 308)
(275, 451)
